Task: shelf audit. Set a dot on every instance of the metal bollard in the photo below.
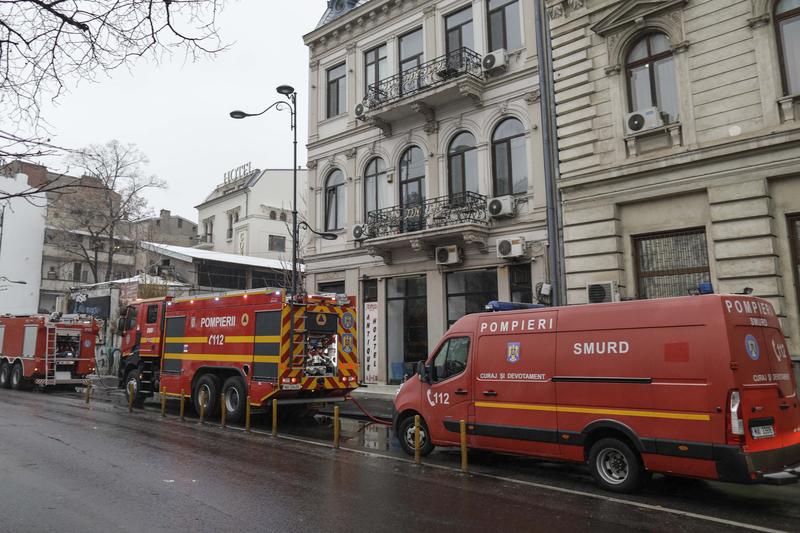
(163, 403)
(417, 449)
(223, 412)
(183, 406)
(336, 427)
(463, 427)
(130, 397)
(88, 391)
(275, 418)
(247, 417)
(202, 407)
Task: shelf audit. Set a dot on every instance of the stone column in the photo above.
(437, 307)
(313, 100)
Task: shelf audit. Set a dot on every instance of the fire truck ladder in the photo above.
(147, 378)
(50, 357)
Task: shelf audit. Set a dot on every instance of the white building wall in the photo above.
(21, 248)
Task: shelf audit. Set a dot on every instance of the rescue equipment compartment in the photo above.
(698, 386)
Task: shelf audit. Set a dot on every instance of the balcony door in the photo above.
(412, 189)
(412, 53)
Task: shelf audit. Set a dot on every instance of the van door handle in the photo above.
(462, 391)
(489, 393)
(784, 406)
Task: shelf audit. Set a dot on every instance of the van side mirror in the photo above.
(422, 370)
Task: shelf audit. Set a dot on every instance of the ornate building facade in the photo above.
(422, 112)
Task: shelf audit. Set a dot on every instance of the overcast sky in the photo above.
(177, 112)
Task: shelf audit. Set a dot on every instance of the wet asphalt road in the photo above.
(71, 467)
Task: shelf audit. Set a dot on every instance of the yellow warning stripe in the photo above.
(209, 357)
(153, 340)
(268, 338)
(594, 411)
(204, 340)
(267, 359)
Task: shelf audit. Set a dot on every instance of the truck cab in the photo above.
(141, 335)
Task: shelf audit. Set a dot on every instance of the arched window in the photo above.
(282, 216)
(412, 177)
(509, 158)
(462, 165)
(650, 70)
(375, 188)
(787, 24)
(273, 215)
(334, 201)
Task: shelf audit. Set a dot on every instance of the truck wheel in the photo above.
(406, 436)
(208, 387)
(5, 375)
(235, 393)
(132, 382)
(615, 467)
(17, 379)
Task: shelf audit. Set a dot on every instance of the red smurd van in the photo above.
(699, 386)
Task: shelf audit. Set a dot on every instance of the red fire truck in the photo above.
(699, 386)
(46, 350)
(248, 346)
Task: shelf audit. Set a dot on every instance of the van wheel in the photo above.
(615, 467)
(235, 395)
(17, 379)
(132, 383)
(5, 375)
(206, 390)
(406, 436)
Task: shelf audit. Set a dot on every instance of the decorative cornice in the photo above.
(761, 20)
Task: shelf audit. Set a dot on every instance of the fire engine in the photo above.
(46, 350)
(245, 346)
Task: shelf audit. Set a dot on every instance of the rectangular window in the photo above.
(29, 341)
(180, 223)
(332, 287)
(230, 226)
(521, 281)
(277, 243)
(376, 67)
(670, 264)
(793, 222)
(407, 326)
(469, 291)
(77, 270)
(505, 29)
(458, 30)
(270, 278)
(337, 90)
(2, 338)
(412, 53)
(152, 314)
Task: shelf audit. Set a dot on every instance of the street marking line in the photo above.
(593, 411)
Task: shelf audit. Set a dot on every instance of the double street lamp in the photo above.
(291, 104)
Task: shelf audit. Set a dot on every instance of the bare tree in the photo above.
(94, 219)
(45, 44)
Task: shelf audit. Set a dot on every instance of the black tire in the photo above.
(616, 467)
(17, 380)
(207, 386)
(132, 381)
(5, 376)
(235, 393)
(405, 435)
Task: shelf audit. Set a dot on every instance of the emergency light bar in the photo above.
(496, 306)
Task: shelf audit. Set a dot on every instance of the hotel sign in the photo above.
(237, 173)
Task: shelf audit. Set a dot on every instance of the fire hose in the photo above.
(368, 415)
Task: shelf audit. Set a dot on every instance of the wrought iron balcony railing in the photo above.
(461, 62)
(442, 212)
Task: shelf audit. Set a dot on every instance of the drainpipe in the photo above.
(555, 249)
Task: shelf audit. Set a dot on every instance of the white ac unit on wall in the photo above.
(448, 255)
(643, 120)
(501, 207)
(510, 247)
(361, 111)
(602, 292)
(495, 61)
(360, 232)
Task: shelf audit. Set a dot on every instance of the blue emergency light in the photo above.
(496, 306)
(705, 288)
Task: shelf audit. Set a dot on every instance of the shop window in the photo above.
(650, 71)
(521, 280)
(452, 359)
(407, 326)
(331, 287)
(787, 26)
(469, 291)
(670, 264)
(509, 158)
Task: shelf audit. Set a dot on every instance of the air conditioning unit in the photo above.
(361, 111)
(495, 61)
(643, 120)
(360, 232)
(603, 292)
(448, 255)
(501, 207)
(510, 247)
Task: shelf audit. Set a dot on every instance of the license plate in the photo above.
(291, 387)
(762, 432)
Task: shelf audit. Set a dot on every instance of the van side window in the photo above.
(152, 314)
(451, 359)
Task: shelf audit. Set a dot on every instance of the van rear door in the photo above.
(787, 424)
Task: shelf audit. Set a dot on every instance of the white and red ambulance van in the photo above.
(699, 386)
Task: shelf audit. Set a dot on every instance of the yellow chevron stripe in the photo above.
(594, 411)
